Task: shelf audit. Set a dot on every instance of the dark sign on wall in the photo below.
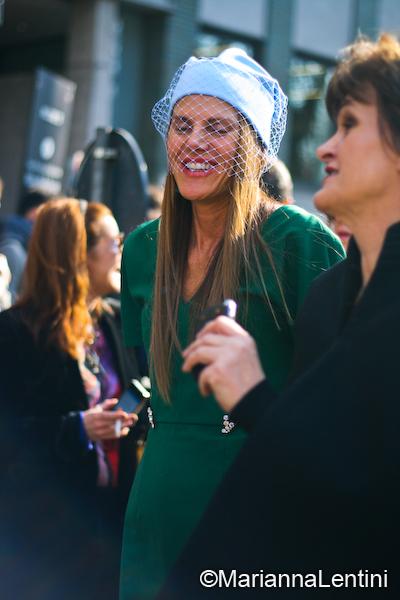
(53, 102)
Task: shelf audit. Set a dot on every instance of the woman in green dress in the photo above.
(219, 236)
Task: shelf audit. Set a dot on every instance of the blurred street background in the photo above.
(114, 58)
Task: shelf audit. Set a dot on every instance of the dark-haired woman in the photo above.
(54, 421)
(316, 490)
(218, 237)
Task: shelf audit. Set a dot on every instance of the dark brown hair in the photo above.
(56, 282)
(367, 72)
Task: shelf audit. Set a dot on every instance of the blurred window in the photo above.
(310, 121)
(211, 44)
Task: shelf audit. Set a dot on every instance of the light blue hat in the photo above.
(240, 81)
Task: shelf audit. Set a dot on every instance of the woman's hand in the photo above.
(232, 366)
(102, 423)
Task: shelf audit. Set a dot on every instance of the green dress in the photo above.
(186, 452)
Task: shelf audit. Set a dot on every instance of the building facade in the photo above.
(122, 54)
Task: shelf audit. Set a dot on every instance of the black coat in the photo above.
(55, 520)
(317, 485)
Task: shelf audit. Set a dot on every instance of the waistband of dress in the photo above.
(226, 425)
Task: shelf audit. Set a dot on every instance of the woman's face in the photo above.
(361, 170)
(202, 146)
(104, 259)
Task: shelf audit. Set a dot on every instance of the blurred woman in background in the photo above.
(115, 367)
(342, 231)
(5, 279)
(55, 422)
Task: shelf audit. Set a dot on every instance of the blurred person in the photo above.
(219, 236)
(316, 488)
(341, 230)
(5, 278)
(15, 232)
(116, 368)
(156, 193)
(104, 245)
(278, 183)
(54, 424)
(73, 168)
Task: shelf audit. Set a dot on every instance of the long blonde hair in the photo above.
(238, 251)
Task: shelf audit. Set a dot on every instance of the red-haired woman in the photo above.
(53, 422)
